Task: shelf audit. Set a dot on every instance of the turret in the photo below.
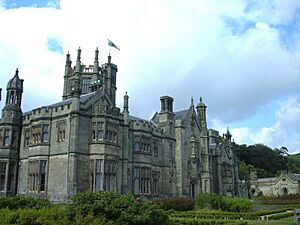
(201, 110)
(166, 115)
(126, 111)
(96, 62)
(228, 136)
(110, 80)
(78, 61)
(10, 134)
(76, 81)
(14, 91)
(68, 70)
(96, 80)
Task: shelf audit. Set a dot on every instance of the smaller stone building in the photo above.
(284, 184)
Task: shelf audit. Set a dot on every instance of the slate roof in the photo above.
(268, 179)
(181, 114)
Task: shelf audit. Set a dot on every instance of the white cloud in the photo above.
(284, 132)
(230, 52)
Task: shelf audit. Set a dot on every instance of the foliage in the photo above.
(121, 209)
(55, 215)
(267, 162)
(176, 203)
(208, 201)
(234, 204)
(226, 203)
(20, 201)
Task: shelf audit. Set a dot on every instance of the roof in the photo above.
(181, 114)
(138, 119)
(297, 175)
(83, 98)
(267, 179)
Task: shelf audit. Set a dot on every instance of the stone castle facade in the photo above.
(86, 143)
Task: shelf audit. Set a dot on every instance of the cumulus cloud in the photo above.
(238, 55)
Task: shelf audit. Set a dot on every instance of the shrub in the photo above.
(21, 202)
(208, 201)
(225, 203)
(177, 203)
(233, 204)
(121, 209)
(55, 215)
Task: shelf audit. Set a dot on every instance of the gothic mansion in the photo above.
(86, 143)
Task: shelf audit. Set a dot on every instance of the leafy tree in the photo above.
(267, 162)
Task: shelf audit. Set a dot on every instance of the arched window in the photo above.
(284, 191)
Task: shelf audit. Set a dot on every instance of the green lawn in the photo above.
(285, 221)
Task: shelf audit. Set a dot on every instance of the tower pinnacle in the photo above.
(78, 62)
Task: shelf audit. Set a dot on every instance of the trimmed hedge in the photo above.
(191, 221)
(55, 215)
(176, 203)
(217, 214)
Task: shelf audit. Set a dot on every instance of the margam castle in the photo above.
(86, 143)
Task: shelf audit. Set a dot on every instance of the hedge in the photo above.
(191, 221)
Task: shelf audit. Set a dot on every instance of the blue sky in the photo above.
(241, 56)
(11, 4)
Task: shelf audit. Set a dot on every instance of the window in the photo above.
(37, 176)
(36, 134)
(45, 133)
(155, 189)
(96, 175)
(136, 180)
(93, 131)
(27, 138)
(110, 176)
(99, 131)
(61, 131)
(137, 146)
(14, 137)
(2, 175)
(11, 176)
(1, 137)
(145, 181)
(85, 85)
(6, 137)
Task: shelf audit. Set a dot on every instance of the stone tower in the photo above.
(10, 132)
(206, 176)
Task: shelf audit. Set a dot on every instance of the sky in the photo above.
(241, 56)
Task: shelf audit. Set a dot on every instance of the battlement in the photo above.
(46, 112)
(147, 126)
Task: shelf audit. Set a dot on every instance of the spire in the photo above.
(192, 102)
(201, 111)
(109, 58)
(78, 62)
(125, 111)
(228, 135)
(96, 62)
(0, 93)
(68, 59)
(126, 97)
